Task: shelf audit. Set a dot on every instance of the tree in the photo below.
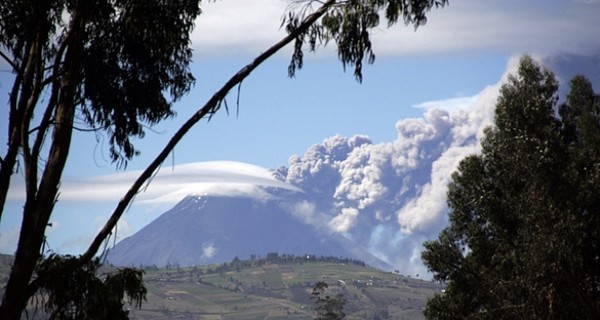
(327, 307)
(117, 66)
(524, 233)
(106, 63)
(70, 290)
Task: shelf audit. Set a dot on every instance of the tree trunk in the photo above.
(7, 165)
(40, 201)
(36, 215)
(28, 253)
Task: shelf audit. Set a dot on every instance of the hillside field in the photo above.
(275, 290)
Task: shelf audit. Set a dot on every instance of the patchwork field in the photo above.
(281, 291)
(275, 290)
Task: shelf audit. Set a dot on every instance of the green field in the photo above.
(281, 291)
(276, 291)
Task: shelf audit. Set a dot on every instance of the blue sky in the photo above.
(463, 49)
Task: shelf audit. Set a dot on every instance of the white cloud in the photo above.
(238, 26)
(228, 27)
(452, 104)
(208, 250)
(170, 185)
(344, 221)
(305, 211)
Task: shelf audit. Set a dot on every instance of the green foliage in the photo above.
(327, 307)
(68, 288)
(524, 234)
(133, 54)
(275, 258)
(349, 23)
(135, 51)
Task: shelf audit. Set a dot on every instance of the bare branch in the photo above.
(6, 58)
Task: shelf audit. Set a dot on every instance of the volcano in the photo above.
(203, 230)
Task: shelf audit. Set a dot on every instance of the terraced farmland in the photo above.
(280, 291)
(274, 290)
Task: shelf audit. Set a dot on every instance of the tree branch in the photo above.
(211, 106)
(6, 58)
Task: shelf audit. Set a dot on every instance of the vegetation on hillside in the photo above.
(273, 290)
(281, 290)
(328, 307)
(237, 264)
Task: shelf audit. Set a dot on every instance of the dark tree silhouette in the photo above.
(327, 307)
(524, 234)
(107, 63)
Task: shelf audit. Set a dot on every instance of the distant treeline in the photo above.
(275, 258)
(257, 261)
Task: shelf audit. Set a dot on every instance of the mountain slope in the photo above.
(207, 230)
